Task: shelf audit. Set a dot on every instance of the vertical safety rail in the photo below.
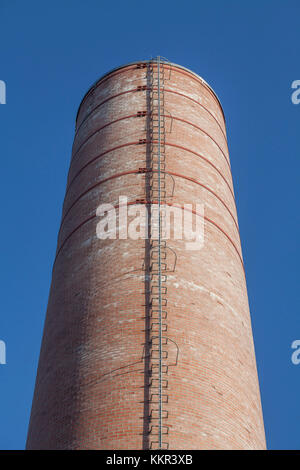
(158, 260)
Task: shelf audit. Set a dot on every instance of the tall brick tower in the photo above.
(148, 344)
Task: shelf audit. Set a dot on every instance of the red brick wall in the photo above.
(92, 388)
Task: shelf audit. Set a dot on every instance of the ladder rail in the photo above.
(159, 258)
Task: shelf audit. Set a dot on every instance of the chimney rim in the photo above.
(136, 62)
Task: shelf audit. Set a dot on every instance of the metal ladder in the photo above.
(158, 261)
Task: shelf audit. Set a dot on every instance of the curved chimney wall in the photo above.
(94, 386)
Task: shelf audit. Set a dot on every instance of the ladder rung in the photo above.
(154, 266)
(154, 398)
(158, 155)
(154, 414)
(155, 314)
(155, 340)
(155, 194)
(155, 445)
(162, 213)
(155, 326)
(156, 184)
(154, 383)
(155, 278)
(155, 167)
(163, 255)
(156, 244)
(154, 369)
(155, 291)
(156, 354)
(158, 159)
(155, 429)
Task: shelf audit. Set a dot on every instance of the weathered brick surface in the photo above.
(92, 383)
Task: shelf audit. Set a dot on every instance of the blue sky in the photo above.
(51, 52)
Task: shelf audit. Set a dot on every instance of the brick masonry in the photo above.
(92, 386)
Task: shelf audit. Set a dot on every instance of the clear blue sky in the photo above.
(50, 53)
